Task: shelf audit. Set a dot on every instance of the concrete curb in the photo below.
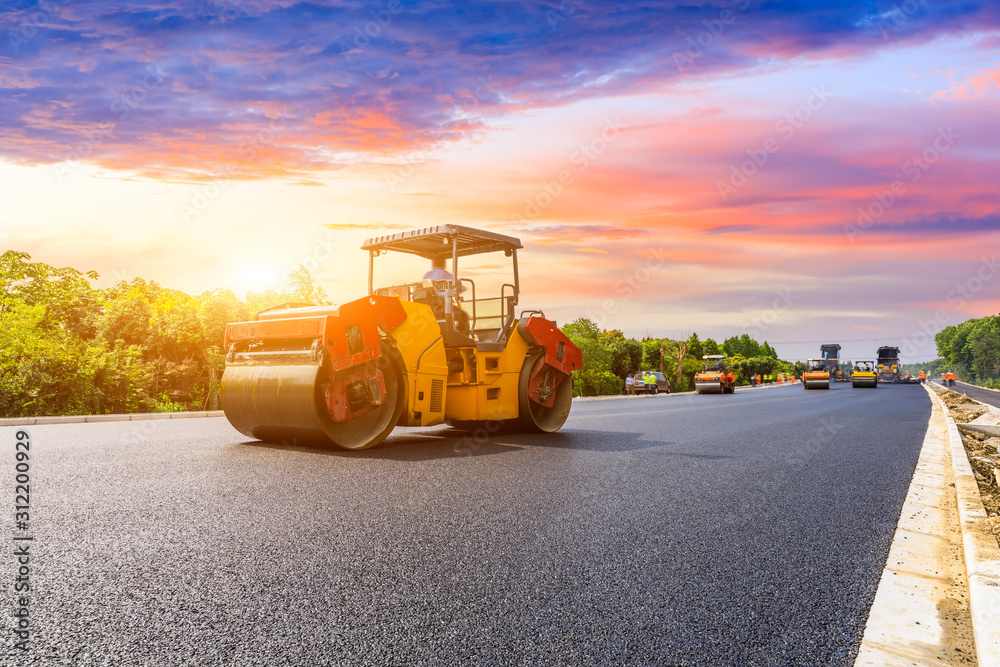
(87, 419)
(677, 393)
(982, 555)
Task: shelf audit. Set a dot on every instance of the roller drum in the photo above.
(535, 417)
(708, 388)
(284, 403)
(274, 402)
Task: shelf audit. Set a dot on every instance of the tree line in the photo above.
(608, 356)
(67, 348)
(970, 350)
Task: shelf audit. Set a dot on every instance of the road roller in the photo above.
(864, 375)
(816, 376)
(888, 364)
(419, 354)
(714, 378)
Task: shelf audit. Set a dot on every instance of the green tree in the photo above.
(65, 294)
(595, 378)
(695, 347)
(626, 353)
(709, 346)
(305, 289)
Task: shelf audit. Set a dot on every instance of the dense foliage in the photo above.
(970, 350)
(67, 348)
(608, 356)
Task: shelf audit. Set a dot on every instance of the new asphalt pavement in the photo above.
(746, 529)
(981, 394)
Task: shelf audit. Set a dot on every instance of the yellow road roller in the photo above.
(816, 376)
(864, 375)
(418, 354)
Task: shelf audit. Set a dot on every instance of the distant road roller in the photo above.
(715, 378)
(888, 365)
(418, 354)
(864, 375)
(816, 376)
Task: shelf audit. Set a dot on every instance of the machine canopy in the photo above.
(438, 242)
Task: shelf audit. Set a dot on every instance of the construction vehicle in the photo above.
(888, 365)
(716, 377)
(839, 369)
(864, 375)
(816, 376)
(417, 354)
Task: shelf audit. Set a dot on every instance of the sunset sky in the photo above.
(805, 172)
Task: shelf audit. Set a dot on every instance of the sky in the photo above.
(805, 172)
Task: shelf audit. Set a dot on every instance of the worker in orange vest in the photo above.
(922, 377)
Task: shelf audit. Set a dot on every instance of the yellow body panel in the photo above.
(419, 342)
(433, 395)
(493, 394)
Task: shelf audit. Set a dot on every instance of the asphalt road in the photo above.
(746, 529)
(981, 394)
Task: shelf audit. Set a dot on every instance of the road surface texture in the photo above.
(746, 529)
(988, 396)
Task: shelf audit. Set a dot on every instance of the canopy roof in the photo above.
(436, 242)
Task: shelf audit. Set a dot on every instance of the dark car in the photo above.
(662, 383)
